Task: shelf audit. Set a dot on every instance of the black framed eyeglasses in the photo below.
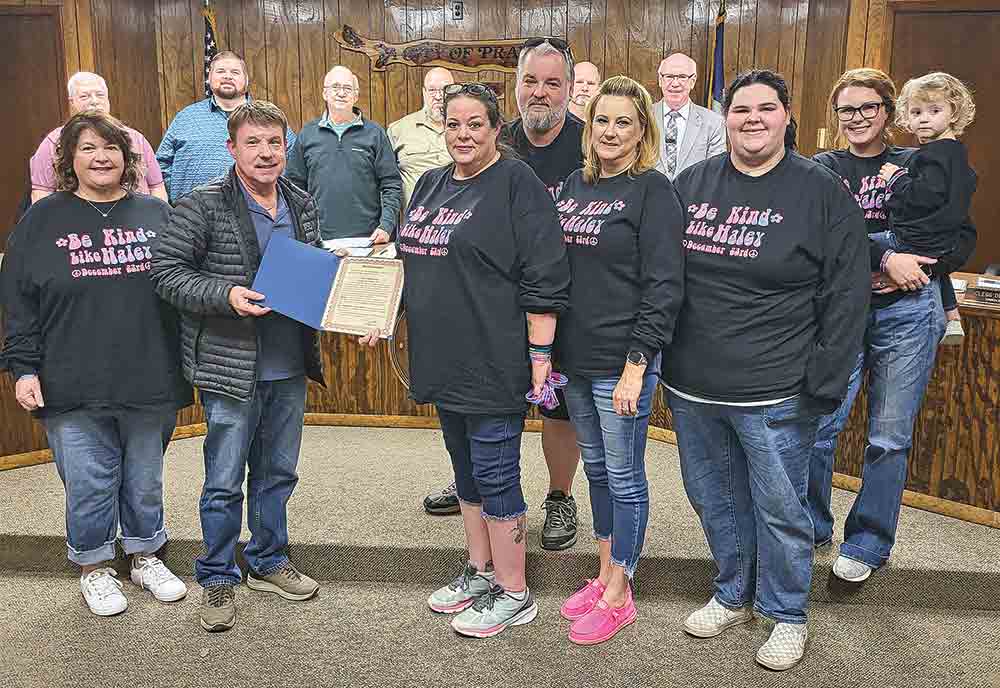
(867, 111)
(557, 43)
(472, 88)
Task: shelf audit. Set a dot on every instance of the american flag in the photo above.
(211, 47)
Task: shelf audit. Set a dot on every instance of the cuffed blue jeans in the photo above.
(613, 449)
(260, 437)
(111, 465)
(901, 341)
(745, 470)
(486, 455)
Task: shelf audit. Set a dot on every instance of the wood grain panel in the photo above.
(702, 22)
(598, 34)
(284, 78)
(647, 19)
(536, 18)
(787, 42)
(768, 34)
(491, 23)
(734, 15)
(799, 64)
(175, 56)
(412, 30)
(513, 30)
(376, 79)
(255, 50)
(71, 37)
(578, 17)
(616, 40)
(312, 58)
(748, 35)
(827, 31)
(397, 91)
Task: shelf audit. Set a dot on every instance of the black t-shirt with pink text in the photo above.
(81, 311)
(479, 254)
(776, 283)
(555, 162)
(623, 237)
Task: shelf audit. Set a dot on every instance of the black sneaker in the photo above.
(559, 531)
(442, 503)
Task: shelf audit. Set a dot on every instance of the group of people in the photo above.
(573, 258)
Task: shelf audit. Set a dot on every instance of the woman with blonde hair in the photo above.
(622, 223)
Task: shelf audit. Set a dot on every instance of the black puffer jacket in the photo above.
(208, 247)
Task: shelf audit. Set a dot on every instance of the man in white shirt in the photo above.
(689, 133)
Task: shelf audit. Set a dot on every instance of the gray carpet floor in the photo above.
(377, 635)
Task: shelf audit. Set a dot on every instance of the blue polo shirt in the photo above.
(193, 150)
(279, 339)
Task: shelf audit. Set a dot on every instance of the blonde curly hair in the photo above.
(938, 86)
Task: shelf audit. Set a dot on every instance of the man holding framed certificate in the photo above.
(249, 364)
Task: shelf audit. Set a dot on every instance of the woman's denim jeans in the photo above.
(746, 471)
(613, 448)
(486, 455)
(111, 464)
(258, 438)
(901, 341)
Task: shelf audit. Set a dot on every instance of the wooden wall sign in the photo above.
(467, 56)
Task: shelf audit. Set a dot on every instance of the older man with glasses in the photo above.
(689, 133)
(347, 164)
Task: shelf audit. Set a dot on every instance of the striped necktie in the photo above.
(670, 142)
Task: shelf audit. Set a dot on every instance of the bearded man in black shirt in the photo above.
(549, 139)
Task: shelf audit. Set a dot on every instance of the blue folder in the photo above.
(296, 279)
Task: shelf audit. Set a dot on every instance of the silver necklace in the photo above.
(102, 213)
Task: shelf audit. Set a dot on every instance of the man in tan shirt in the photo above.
(418, 138)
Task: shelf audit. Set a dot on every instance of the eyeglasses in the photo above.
(473, 88)
(868, 111)
(434, 91)
(340, 88)
(681, 78)
(557, 43)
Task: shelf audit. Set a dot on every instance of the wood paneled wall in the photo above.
(151, 50)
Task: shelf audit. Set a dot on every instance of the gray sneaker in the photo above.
(468, 587)
(850, 570)
(288, 582)
(495, 611)
(785, 647)
(218, 608)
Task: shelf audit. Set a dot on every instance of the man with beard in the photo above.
(346, 163)
(689, 133)
(586, 80)
(550, 141)
(193, 151)
(418, 138)
(89, 92)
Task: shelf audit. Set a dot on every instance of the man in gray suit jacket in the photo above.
(689, 133)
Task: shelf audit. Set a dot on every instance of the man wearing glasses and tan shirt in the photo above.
(689, 133)
(418, 138)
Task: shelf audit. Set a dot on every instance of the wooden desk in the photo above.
(954, 465)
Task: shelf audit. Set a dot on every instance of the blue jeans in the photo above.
(901, 341)
(111, 464)
(613, 448)
(486, 455)
(262, 434)
(745, 470)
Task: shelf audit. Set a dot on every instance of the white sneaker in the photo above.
(785, 647)
(953, 333)
(850, 570)
(713, 619)
(149, 573)
(103, 592)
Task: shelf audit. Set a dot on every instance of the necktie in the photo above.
(670, 142)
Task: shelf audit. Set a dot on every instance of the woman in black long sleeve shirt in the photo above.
(775, 296)
(486, 274)
(94, 353)
(622, 222)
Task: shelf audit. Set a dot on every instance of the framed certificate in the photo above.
(326, 292)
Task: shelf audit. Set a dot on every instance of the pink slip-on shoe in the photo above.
(583, 600)
(602, 622)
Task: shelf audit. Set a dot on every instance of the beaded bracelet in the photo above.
(547, 398)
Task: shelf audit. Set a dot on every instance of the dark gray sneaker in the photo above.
(443, 502)
(495, 611)
(559, 530)
(218, 608)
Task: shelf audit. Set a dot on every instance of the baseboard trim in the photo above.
(963, 512)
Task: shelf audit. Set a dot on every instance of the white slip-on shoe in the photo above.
(785, 647)
(850, 570)
(713, 619)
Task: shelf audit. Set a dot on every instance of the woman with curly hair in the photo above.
(93, 352)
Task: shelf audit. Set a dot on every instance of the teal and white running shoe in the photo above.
(469, 586)
(495, 611)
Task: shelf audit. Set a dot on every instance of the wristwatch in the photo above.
(636, 358)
